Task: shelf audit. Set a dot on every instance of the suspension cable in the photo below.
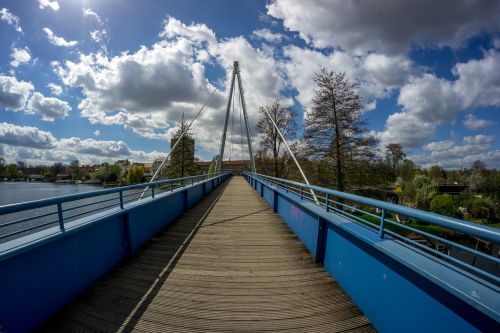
(232, 132)
(217, 87)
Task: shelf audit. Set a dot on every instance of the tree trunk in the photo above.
(340, 175)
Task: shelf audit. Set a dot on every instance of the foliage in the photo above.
(407, 170)
(284, 117)
(11, 171)
(107, 173)
(394, 154)
(479, 207)
(425, 189)
(213, 166)
(335, 132)
(75, 170)
(135, 174)
(182, 157)
(443, 204)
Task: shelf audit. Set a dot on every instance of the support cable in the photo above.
(180, 138)
(293, 156)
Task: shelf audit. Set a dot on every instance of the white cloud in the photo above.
(58, 41)
(195, 32)
(11, 19)
(97, 133)
(19, 56)
(41, 147)
(13, 93)
(50, 108)
(428, 101)
(54, 5)
(268, 35)
(98, 36)
(390, 27)
(88, 12)
(449, 154)
(474, 123)
(26, 136)
(377, 74)
(55, 89)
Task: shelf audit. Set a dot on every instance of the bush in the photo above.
(443, 204)
(479, 207)
(135, 174)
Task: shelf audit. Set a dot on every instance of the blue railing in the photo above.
(352, 207)
(398, 283)
(21, 219)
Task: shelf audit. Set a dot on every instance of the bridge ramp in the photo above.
(228, 264)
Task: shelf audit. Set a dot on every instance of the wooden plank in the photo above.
(237, 268)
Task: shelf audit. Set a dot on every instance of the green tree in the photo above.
(425, 189)
(11, 171)
(436, 173)
(407, 170)
(113, 173)
(182, 157)
(443, 204)
(135, 174)
(394, 154)
(75, 170)
(212, 167)
(2, 166)
(335, 131)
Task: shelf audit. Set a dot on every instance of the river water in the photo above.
(14, 192)
(46, 217)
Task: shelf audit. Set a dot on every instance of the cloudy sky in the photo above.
(108, 79)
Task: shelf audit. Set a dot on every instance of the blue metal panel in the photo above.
(146, 220)
(195, 194)
(41, 274)
(399, 288)
(303, 223)
(35, 284)
(393, 302)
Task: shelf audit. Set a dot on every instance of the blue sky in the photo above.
(103, 80)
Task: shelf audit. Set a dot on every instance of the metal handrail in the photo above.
(466, 227)
(341, 208)
(58, 201)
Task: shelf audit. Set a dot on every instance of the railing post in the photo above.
(327, 199)
(321, 241)
(121, 199)
(382, 223)
(60, 215)
(153, 191)
(171, 187)
(261, 189)
(275, 201)
(301, 189)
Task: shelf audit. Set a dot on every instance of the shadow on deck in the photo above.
(227, 264)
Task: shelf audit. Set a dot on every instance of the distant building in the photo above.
(63, 176)
(35, 177)
(451, 189)
(235, 166)
(123, 164)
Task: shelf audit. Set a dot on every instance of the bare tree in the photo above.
(335, 131)
(395, 154)
(284, 117)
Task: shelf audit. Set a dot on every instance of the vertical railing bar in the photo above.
(60, 216)
(121, 199)
(382, 223)
(327, 202)
(153, 191)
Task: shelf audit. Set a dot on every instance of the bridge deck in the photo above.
(228, 264)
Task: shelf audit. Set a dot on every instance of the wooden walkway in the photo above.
(228, 264)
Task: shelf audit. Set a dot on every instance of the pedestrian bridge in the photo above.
(222, 253)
